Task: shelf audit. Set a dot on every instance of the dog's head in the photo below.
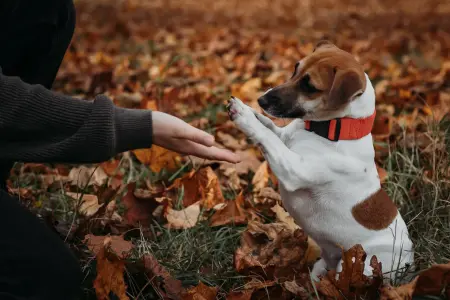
(323, 83)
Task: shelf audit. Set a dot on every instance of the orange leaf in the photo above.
(158, 158)
(201, 292)
(232, 213)
(382, 174)
(202, 185)
(110, 167)
(109, 278)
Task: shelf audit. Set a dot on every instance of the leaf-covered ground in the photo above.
(151, 224)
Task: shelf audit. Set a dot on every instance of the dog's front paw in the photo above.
(236, 109)
(243, 116)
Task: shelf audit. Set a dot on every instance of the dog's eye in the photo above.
(295, 69)
(306, 86)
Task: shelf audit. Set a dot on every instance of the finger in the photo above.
(186, 131)
(211, 153)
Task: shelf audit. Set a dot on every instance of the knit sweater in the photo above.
(38, 125)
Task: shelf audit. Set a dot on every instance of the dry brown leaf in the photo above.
(240, 295)
(403, 292)
(201, 292)
(433, 281)
(230, 142)
(158, 158)
(185, 218)
(167, 286)
(84, 176)
(115, 244)
(88, 203)
(261, 178)
(231, 179)
(272, 251)
(232, 213)
(296, 289)
(249, 162)
(351, 281)
(382, 174)
(202, 185)
(139, 210)
(313, 252)
(110, 277)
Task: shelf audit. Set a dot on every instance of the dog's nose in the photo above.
(263, 101)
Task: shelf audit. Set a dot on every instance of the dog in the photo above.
(324, 160)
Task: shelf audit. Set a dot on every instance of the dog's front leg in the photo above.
(293, 171)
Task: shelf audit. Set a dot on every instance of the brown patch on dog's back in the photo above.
(376, 212)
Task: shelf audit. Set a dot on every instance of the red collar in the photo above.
(342, 128)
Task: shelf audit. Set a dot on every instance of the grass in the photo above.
(198, 254)
(419, 184)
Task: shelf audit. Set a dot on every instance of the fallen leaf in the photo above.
(84, 176)
(313, 251)
(261, 178)
(351, 281)
(267, 197)
(115, 244)
(202, 185)
(138, 210)
(230, 142)
(185, 218)
(240, 295)
(232, 213)
(110, 270)
(201, 292)
(110, 167)
(272, 251)
(88, 203)
(158, 158)
(249, 162)
(161, 279)
(382, 174)
(297, 290)
(433, 281)
(404, 292)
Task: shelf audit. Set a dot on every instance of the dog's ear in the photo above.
(323, 43)
(347, 84)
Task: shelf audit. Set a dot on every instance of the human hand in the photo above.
(174, 134)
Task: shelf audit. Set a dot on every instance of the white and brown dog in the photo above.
(324, 159)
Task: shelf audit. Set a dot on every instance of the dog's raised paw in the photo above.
(235, 108)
